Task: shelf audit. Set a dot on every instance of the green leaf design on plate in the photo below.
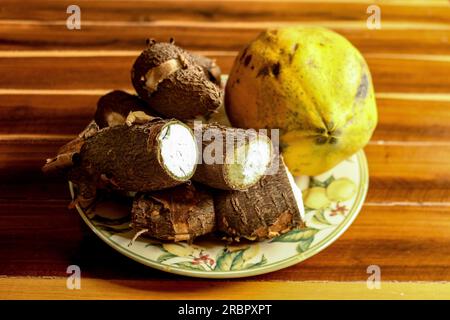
(225, 261)
(320, 218)
(304, 245)
(165, 256)
(238, 261)
(308, 209)
(189, 265)
(296, 235)
(317, 183)
(235, 260)
(256, 264)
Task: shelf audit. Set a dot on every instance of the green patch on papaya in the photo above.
(362, 90)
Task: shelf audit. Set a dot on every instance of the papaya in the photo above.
(314, 86)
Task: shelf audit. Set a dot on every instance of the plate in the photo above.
(326, 219)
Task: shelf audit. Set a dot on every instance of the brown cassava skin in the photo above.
(179, 214)
(266, 210)
(209, 66)
(185, 93)
(67, 154)
(128, 157)
(120, 103)
(215, 175)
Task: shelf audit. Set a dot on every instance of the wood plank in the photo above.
(68, 114)
(420, 162)
(46, 114)
(412, 120)
(41, 238)
(55, 289)
(412, 192)
(390, 74)
(395, 38)
(215, 11)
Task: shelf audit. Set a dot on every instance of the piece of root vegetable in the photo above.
(67, 154)
(157, 155)
(268, 209)
(209, 66)
(232, 159)
(173, 83)
(178, 214)
(114, 107)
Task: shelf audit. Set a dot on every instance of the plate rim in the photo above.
(275, 266)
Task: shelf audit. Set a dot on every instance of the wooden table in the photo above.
(51, 78)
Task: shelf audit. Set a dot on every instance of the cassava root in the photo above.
(114, 107)
(173, 83)
(266, 210)
(232, 159)
(152, 156)
(178, 214)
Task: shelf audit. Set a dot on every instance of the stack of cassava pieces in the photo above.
(146, 144)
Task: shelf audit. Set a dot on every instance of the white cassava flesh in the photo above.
(249, 162)
(178, 150)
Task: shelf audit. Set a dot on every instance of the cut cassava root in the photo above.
(153, 156)
(232, 159)
(268, 209)
(174, 83)
(179, 214)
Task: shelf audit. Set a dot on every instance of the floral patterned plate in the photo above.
(332, 201)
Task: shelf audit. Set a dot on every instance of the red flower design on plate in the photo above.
(339, 210)
(203, 258)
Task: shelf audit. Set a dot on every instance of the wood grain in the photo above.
(227, 36)
(52, 78)
(389, 74)
(215, 11)
(55, 289)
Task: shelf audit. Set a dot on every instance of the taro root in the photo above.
(114, 107)
(178, 214)
(272, 207)
(157, 155)
(173, 83)
(232, 159)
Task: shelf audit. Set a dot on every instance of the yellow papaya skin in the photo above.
(313, 85)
